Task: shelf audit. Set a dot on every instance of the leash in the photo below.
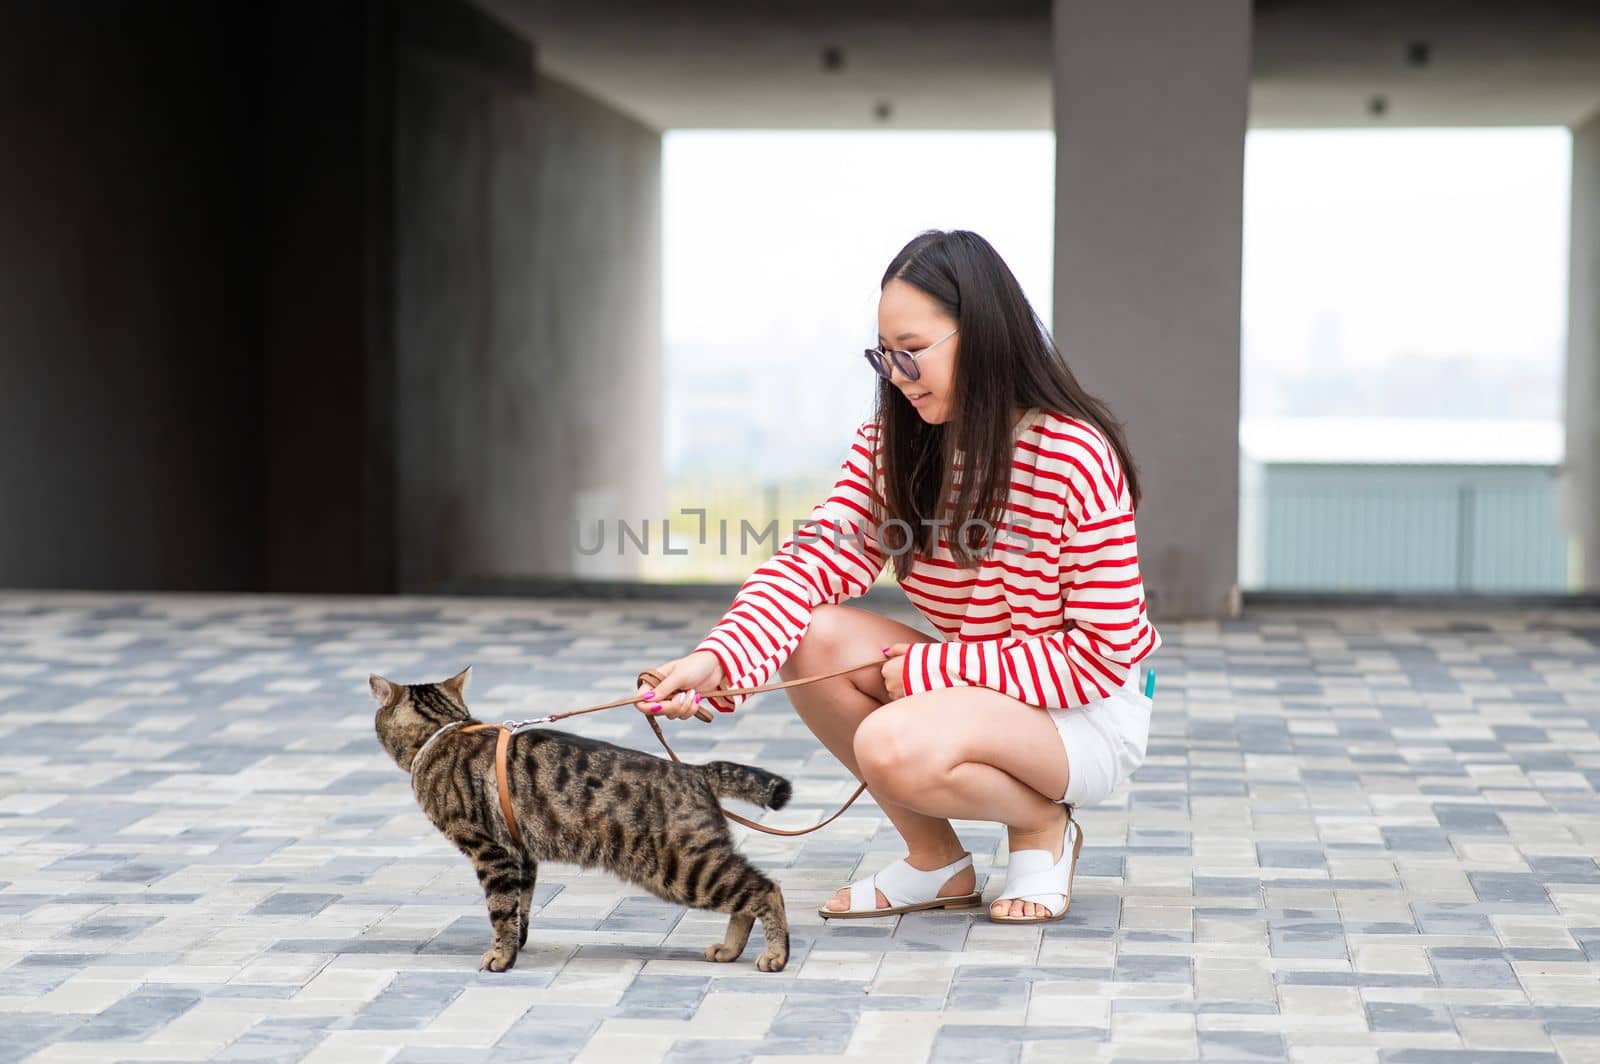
(651, 677)
(508, 728)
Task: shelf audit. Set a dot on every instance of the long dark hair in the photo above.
(1005, 359)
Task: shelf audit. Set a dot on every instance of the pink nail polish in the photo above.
(649, 694)
(655, 708)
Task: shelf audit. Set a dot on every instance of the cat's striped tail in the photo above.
(729, 779)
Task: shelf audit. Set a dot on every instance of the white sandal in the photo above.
(906, 889)
(1032, 876)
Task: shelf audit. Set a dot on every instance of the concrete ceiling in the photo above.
(985, 64)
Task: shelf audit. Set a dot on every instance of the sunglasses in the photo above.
(886, 360)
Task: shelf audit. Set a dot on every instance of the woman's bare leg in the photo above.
(834, 708)
(973, 754)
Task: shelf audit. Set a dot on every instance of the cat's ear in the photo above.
(457, 684)
(383, 690)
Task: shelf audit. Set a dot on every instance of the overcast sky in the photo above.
(1431, 241)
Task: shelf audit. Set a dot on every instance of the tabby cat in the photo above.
(650, 821)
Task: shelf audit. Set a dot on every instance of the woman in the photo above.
(1033, 702)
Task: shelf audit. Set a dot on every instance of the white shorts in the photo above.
(1105, 740)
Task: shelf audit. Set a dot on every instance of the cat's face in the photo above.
(409, 713)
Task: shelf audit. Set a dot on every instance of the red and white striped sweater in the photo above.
(1055, 616)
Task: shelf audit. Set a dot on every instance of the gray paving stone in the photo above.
(1467, 1056)
(1242, 1045)
(1399, 1016)
(1474, 973)
(1152, 968)
(1523, 887)
(410, 1002)
(135, 1017)
(286, 903)
(25, 1033)
(1450, 918)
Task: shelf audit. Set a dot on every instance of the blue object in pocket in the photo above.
(1150, 684)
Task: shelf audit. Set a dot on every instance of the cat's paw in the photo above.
(522, 935)
(497, 959)
(723, 954)
(772, 961)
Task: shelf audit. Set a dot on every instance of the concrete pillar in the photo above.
(1151, 105)
(1581, 467)
(528, 337)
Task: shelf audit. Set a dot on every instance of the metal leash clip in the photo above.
(517, 727)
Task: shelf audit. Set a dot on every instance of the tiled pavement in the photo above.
(1359, 836)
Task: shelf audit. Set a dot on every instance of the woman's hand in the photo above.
(893, 667)
(682, 680)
